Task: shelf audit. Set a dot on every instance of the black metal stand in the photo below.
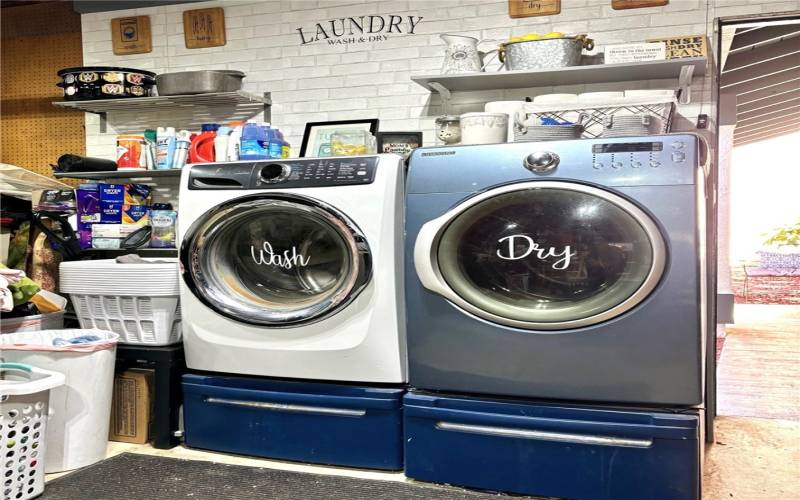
(169, 365)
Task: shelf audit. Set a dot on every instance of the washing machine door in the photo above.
(275, 260)
(545, 255)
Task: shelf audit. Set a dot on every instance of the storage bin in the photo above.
(24, 405)
(80, 410)
(580, 453)
(50, 321)
(308, 422)
(140, 302)
(137, 320)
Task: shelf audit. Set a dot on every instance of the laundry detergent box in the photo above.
(136, 214)
(125, 194)
(110, 213)
(164, 224)
(88, 203)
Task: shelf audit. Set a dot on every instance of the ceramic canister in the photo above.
(514, 109)
(484, 128)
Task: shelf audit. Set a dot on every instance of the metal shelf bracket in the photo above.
(103, 122)
(268, 107)
(685, 84)
(444, 92)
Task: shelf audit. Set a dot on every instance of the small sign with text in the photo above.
(635, 52)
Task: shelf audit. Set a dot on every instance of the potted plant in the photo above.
(783, 247)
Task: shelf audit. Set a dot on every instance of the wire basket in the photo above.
(596, 116)
(24, 403)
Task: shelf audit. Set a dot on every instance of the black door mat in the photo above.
(131, 476)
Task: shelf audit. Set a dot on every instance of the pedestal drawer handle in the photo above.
(319, 410)
(560, 437)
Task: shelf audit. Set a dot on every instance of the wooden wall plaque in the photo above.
(532, 8)
(636, 4)
(204, 28)
(131, 35)
(685, 46)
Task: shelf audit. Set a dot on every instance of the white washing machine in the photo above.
(294, 268)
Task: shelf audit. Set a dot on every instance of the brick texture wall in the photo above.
(319, 82)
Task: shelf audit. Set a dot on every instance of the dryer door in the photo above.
(275, 260)
(542, 255)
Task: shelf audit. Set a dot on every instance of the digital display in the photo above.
(628, 147)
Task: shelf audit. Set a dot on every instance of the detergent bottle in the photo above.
(275, 143)
(221, 143)
(253, 145)
(202, 148)
(234, 141)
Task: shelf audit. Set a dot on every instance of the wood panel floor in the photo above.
(757, 453)
(759, 368)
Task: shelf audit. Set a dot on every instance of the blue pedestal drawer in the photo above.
(580, 453)
(308, 422)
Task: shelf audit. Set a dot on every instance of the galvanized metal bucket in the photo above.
(545, 53)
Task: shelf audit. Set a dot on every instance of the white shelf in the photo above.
(680, 69)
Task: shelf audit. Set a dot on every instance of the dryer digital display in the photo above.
(628, 147)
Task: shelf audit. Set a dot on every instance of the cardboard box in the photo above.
(131, 406)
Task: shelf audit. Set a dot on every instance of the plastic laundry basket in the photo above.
(77, 433)
(24, 398)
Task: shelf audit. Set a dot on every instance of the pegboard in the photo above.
(37, 41)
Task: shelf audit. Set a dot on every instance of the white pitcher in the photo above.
(461, 55)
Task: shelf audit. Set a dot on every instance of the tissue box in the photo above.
(109, 236)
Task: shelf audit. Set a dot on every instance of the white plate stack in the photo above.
(535, 133)
(140, 302)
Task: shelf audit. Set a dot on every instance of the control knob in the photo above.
(541, 161)
(275, 172)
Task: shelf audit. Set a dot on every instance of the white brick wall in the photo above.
(319, 82)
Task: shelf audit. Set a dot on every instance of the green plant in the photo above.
(784, 236)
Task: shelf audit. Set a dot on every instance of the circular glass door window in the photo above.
(275, 261)
(549, 255)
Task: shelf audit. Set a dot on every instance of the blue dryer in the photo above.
(566, 270)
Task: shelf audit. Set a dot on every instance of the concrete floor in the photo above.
(754, 458)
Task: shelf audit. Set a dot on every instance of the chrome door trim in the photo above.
(558, 437)
(211, 222)
(427, 244)
(290, 408)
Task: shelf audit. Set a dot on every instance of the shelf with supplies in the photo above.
(142, 175)
(188, 111)
(683, 69)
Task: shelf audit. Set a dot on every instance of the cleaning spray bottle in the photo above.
(165, 147)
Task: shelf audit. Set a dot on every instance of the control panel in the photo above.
(266, 174)
(638, 155)
(317, 172)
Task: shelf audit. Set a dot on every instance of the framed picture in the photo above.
(401, 143)
(317, 136)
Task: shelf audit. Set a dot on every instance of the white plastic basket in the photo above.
(139, 302)
(137, 320)
(24, 405)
